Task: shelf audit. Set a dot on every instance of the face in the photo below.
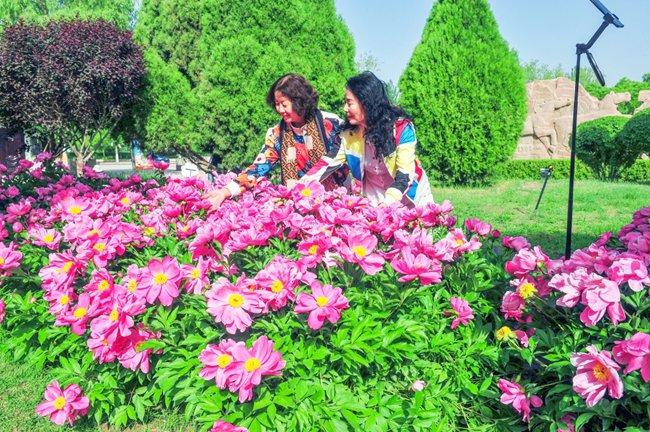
(354, 110)
(284, 107)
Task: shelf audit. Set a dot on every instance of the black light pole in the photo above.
(608, 18)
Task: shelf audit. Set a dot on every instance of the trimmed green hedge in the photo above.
(528, 169)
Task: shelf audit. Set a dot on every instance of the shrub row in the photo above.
(529, 169)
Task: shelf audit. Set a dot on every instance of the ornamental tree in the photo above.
(465, 90)
(72, 84)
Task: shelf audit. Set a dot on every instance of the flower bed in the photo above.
(296, 309)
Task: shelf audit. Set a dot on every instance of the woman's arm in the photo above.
(265, 161)
(329, 163)
(405, 161)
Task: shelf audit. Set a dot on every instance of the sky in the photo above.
(543, 30)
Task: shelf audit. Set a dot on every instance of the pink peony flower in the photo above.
(415, 265)
(162, 280)
(462, 311)
(635, 353)
(278, 281)
(599, 296)
(513, 393)
(630, 270)
(219, 364)
(196, 276)
(79, 314)
(45, 237)
(527, 261)
(477, 226)
(232, 305)
(596, 374)
(313, 249)
(132, 356)
(512, 305)
(9, 258)
(63, 405)
(261, 360)
(223, 426)
(571, 284)
(515, 243)
(325, 303)
(358, 248)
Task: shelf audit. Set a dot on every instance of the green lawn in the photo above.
(508, 206)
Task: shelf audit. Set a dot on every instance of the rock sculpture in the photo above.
(550, 112)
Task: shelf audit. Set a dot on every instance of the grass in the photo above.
(508, 205)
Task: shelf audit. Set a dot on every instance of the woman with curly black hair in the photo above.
(301, 138)
(377, 143)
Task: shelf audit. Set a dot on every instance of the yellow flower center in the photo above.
(64, 299)
(504, 333)
(360, 251)
(59, 402)
(48, 238)
(114, 315)
(195, 273)
(601, 373)
(313, 249)
(460, 242)
(235, 300)
(93, 232)
(277, 286)
(224, 360)
(527, 290)
(149, 231)
(132, 286)
(322, 301)
(2, 261)
(103, 285)
(160, 278)
(100, 247)
(75, 210)
(252, 364)
(80, 312)
(306, 192)
(185, 228)
(66, 267)
(125, 201)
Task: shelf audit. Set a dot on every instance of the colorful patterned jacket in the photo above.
(410, 180)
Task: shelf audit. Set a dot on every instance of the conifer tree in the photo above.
(465, 90)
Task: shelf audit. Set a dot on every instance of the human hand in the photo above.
(216, 197)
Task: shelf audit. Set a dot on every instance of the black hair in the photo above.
(380, 113)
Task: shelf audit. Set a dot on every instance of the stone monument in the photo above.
(550, 112)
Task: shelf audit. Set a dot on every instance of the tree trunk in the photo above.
(80, 164)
